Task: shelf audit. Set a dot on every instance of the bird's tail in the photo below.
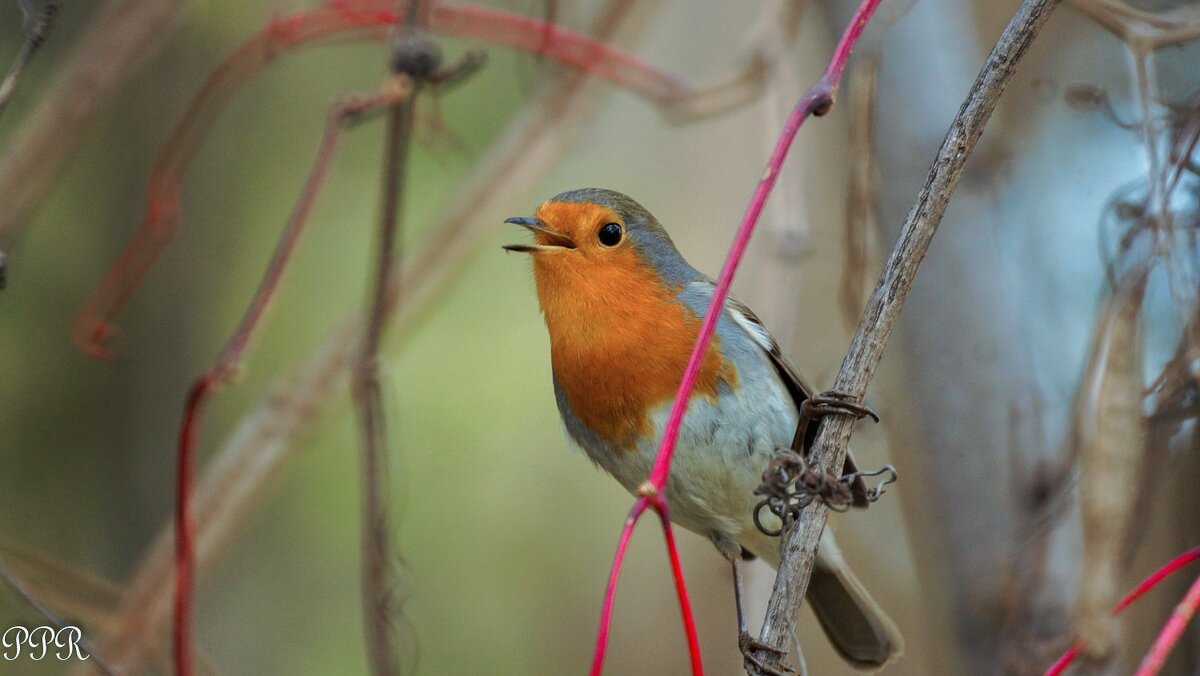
(856, 626)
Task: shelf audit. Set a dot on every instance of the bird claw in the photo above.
(748, 645)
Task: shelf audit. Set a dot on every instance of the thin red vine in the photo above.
(1061, 664)
(816, 101)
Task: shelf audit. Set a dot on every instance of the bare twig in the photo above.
(228, 364)
(1171, 631)
(27, 595)
(121, 38)
(390, 638)
(37, 28)
(381, 596)
(866, 349)
(1146, 31)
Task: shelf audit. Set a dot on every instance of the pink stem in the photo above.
(610, 592)
(1171, 631)
(816, 101)
(656, 503)
(1061, 664)
(685, 604)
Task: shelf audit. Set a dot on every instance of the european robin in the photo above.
(623, 309)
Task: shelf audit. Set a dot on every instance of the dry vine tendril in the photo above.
(790, 483)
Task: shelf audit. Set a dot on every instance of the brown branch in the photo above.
(27, 595)
(37, 29)
(390, 637)
(122, 38)
(866, 349)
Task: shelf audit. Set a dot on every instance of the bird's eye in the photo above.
(610, 234)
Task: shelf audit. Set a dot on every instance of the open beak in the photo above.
(557, 240)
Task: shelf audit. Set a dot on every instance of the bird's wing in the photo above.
(749, 322)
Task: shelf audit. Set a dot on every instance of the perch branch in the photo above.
(866, 349)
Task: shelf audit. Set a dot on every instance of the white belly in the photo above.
(723, 449)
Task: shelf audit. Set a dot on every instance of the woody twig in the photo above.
(866, 349)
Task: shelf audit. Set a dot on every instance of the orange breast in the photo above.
(619, 342)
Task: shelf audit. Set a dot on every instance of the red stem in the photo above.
(1171, 631)
(611, 590)
(685, 606)
(816, 101)
(184, 541)
(227, 364)
(1061, 664)
(337, 20)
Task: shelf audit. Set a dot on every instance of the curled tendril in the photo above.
(790, 484)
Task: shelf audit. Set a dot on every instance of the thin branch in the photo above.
(656, 502)
(19, 588)
(228, 363)
(866, 349)
(387, 631)
(37, 29)
(1145, 31)
(121, 38)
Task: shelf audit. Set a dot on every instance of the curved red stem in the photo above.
(1060, 665)
(1171, 631)
(685, 606)
(816, 101)
(337, 20)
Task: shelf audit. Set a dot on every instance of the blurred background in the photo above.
(977, 552)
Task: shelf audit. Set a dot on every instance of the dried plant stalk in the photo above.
(390, 637)
(1146, 31)
(1108, 435)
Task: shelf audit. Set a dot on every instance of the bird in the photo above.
(623, 309)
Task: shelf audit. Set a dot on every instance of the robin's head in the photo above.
(594, 236)
(609, 281)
